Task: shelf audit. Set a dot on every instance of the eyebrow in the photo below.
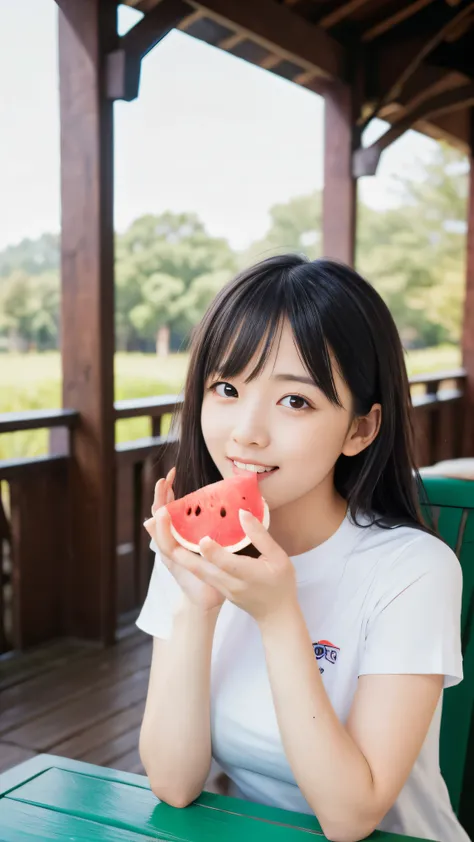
(294, 378)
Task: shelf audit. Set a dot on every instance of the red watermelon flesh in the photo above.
(213, 511)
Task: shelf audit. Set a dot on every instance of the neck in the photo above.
(309, 521)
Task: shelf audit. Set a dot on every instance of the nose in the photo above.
(251, 429)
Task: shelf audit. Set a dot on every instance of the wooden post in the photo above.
(87, 32)
(468, 326)
(340, 187)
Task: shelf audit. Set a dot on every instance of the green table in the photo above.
(52, 797)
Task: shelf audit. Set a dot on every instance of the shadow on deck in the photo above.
(76, 700)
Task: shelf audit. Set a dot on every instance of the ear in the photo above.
(363, 431)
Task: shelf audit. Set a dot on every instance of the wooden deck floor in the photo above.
(75, 700)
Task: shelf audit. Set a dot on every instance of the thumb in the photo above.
(259, 536)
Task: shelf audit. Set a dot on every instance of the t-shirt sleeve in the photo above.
(414, 621)
(163, 598)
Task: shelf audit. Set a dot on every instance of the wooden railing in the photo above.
(32, 600)
(439, 413)
(139, 465)
(34, 541)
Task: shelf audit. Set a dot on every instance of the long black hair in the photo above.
(332, 311)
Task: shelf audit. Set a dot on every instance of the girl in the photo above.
(312, 674)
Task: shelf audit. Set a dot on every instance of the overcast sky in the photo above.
(209, 133)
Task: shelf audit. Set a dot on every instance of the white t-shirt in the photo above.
(375, 601)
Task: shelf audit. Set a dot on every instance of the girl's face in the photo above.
(280, 421)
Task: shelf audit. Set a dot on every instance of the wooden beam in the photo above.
(304, 77)
(124, 63)
(87, 32)
(426, 82)
(343, 11)
(269, 62)
(457, 32)
(366, 159)
(468, 323)
(340, 189)
(416, 60)
(231, 41)
(153, 27)
(280, 31)
(142, 5)
(393, 20)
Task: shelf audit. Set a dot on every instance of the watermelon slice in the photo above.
(214, 511)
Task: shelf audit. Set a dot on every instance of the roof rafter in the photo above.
(417, 59)
(366, 159)
(280, 31)
(343, 11)
(392, 21)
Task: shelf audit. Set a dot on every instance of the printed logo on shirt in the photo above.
(326, 649)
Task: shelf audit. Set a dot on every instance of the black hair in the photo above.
(333, 312)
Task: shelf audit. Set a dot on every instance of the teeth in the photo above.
(257, 469)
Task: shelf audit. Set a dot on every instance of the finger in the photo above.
(259, 536)
(164, 537)
(239, 567)
(207, 572)
(166, 541)
(160, 495)
(170, 476)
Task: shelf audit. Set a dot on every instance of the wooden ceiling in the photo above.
(410, 61)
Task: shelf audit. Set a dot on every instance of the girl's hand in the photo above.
(164, 491)
(260, 586)
(175, 557)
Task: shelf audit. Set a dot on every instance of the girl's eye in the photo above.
(224, 390)
(295, 402)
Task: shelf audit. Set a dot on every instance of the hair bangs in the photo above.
(252, 319)
(241, 332)
(306, 316)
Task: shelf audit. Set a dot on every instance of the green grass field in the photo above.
(33, 381)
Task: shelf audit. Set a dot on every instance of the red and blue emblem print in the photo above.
(327, 650)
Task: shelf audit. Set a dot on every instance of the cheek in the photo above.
(211, 425)
(318, 441)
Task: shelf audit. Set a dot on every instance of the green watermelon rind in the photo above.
(244, 542)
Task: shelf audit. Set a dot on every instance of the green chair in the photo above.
(448, 506)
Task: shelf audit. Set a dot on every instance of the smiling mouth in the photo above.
(261, 470)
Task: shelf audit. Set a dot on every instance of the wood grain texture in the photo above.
(339, 192)
(88, 705)
(87, 32)
(26, 823)
(41, 553)
(11, 755)
(109, 799)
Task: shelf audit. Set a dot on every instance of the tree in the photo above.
(159, 308)
(29, 310)
(415, 253)
(158, 260)
(201, 292)
(295, 226)
(33, 257)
